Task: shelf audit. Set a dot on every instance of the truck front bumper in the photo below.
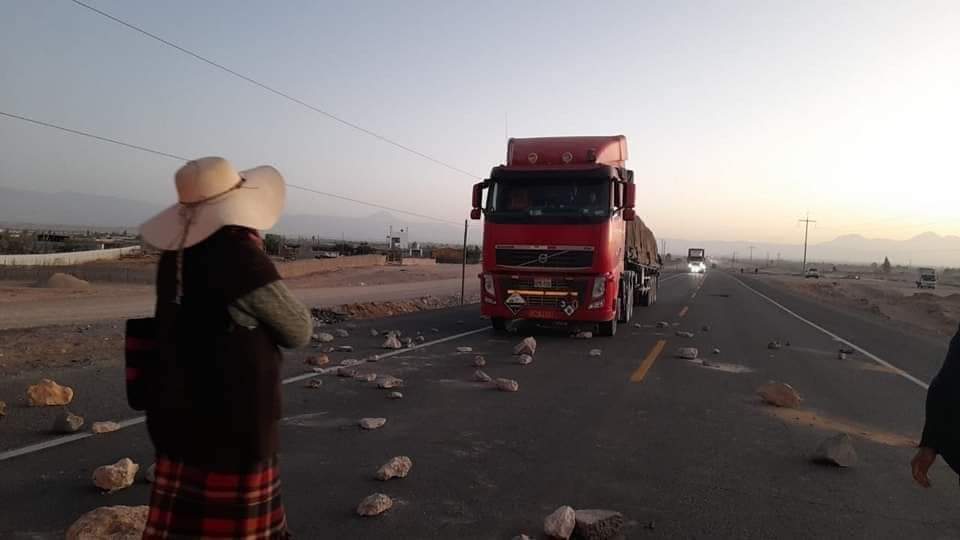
(547, 298)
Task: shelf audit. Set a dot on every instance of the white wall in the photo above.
(66, 259)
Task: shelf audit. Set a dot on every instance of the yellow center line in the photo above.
(683, 311)
(647, 363)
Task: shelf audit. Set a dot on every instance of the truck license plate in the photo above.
(537, 314)
(542, 283)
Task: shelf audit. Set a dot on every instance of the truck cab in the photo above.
(556, 221)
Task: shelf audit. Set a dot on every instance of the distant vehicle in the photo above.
(812, 273)
(697, 260)
(562, 239)
(928, 279)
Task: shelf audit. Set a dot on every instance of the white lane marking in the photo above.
(17, 452)
(837, 338)
(30, 449)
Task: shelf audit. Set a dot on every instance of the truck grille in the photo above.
(535, 294)
(544, 258)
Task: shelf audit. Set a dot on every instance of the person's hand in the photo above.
(921, 464)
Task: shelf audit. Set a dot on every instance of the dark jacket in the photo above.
(942, 429)
(221, 401)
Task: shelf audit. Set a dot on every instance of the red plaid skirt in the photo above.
(192, 502)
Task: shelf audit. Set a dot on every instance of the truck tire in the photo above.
(625, 312)
(649, 297)
(609, 328)
(499, 324)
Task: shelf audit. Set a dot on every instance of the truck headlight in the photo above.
(599, 287)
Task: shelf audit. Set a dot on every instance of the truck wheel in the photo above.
(609, 328)
(626, 305)
(499, 324)
(649, 297)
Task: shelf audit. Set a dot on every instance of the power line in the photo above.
(275, 91)
(181, 158)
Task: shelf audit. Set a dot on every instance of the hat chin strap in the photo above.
(188, 211)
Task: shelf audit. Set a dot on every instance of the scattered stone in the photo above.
(847, 349)
(317, 360)
(48, 393)
(598, 524)
(67, 422)
(115, 477)
(346, 372)
(389, 382)
(685, 334)
(707, 363)
(341, 333)
(775, 345)
(583, 335)
(313, 384)
(507, 385)
(365, 377)
(836, 450)
(397, 467)
(104, 427)
(408, 342)
(435, 330)
(372, 423)
(151, 474)
(688, 353)
(527, 346)
(525, 360)
(479, 361)
(374, 505)
(481, 376)
(323, 337)
(350, 362)
(391, 343)
(560, 523)
(396, 333)
(3, 408)
(638, 326)
(663, 324)
(716, 351)
(374, 333)
(420, 339)
(596, 352)
(114, 522)
(395, 395)
(705, 328)
(780, 394)
(344, 348)
(464, 349)
(842, 355)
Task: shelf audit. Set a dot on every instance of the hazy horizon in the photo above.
(740, 117)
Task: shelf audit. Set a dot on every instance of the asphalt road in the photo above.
(683, 450)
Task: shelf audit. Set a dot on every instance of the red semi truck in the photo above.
(561, 238)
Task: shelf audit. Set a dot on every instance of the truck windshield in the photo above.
(532, 198)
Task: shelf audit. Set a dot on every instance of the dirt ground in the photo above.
(934, 312)
(61, 341)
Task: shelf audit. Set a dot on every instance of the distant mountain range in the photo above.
(78, 211)
(924, 249)
(67, 210)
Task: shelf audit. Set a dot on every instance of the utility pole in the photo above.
(463, 267)
(806, 230)
(751, 254)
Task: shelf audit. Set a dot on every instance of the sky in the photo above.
(741, 117)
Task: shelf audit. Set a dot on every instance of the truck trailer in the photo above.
(562, 242)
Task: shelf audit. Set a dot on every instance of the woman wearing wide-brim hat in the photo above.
(224, 313)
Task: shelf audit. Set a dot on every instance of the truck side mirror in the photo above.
(629, 214)
(475, 213)
(477, 196)
(629, 195)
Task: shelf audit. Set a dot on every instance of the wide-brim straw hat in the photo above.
(212, 194)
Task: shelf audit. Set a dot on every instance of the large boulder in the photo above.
(780, 395)
(372, 423)
(507, 385)
(836, 450)
(480, 376)
(397, 467)
(48, 393)
(317, 360)
(104, 427)
(688, 353)
(114, 522)
(115, 477)
(392, 343)
(323, 337)
(389, 382)
(527, 346)
(560, 523)
(598, 524)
